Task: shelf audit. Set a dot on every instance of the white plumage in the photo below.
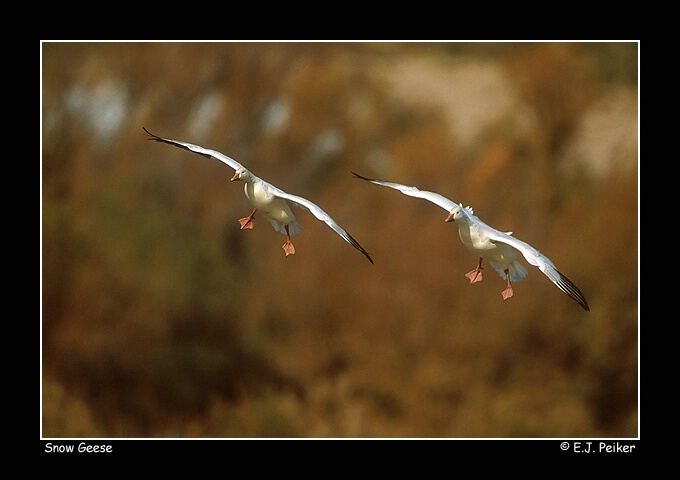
(487, 242)
(270, 201)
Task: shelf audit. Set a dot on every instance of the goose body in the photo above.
(499, 248)
(272, 202)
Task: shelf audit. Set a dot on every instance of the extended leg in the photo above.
(507, 293)
(288, 246)
(248, 221)
(476, 274)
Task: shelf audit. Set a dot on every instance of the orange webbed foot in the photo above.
(248, 222)
(475, 275)
(288, 247)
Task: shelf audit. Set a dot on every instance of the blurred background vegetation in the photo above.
(160, 318)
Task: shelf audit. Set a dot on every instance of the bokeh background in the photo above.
(160, 318)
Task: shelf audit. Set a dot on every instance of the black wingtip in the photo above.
(568, 287)
(350, 239)
(356, 245)
(152, 136)
(356, 175)
(361, 249)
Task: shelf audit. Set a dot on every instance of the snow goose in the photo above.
(487, 242)
(270, 201)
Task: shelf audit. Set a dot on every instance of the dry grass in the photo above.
(161, 319)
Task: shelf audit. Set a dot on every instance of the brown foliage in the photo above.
(161, 318)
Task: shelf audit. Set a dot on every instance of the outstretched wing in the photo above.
(534, 257)
(298, 201)
(435, 198)
(320, 214)
(197, 149)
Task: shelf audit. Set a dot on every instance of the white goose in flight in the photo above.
(270, 201)
(487, 242)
